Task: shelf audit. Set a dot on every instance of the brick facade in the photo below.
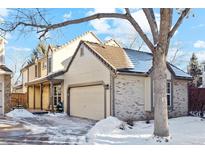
(180, 99)
(129, 98)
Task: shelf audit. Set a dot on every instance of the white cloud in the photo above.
(198, 26)
(67, 15)
(199, 44)
(18, 49)
(121, 29)
(4, 12)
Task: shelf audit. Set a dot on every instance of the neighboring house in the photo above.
(103, 80)
(5, 81)
(42, 90)
(202, 65)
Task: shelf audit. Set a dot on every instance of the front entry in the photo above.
(88, 102)
(1, 99)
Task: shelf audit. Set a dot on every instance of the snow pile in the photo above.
(183, 130)
(105, 126)
(20, 113)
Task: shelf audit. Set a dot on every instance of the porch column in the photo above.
(34, 98)
(51, 96)
(41, 95)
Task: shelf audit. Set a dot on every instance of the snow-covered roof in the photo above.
(178, 72)
(142, 62)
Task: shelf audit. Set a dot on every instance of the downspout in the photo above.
(112, 96)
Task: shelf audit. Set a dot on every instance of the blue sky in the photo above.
(189, 38)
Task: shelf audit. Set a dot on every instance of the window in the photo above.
(204, 68)
(169, 90)
(57, 94)
(49, 64)
(169, 94)
(44, 65)
(36, 71)
(81, 52)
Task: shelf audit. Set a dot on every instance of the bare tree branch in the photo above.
(179, 21)
(139, 30)
(149, 13)
(39, 12)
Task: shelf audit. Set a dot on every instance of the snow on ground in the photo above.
(20, 113)
(183, 130)
(59, 128)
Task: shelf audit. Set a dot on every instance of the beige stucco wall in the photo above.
(180, 98)
(31, 70)
(132, 96)
(24, 80)
(86, 69)
(46, 93)
(31, 97)
(67, 51)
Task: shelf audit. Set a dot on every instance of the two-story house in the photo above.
(5, 80)
(42, 90)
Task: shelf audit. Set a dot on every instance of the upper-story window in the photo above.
(36, 71)
(44, 65)
(81, 52)
(49, 64)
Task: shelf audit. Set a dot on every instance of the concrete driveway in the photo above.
(44, 129)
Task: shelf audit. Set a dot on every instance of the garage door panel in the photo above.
(87, 102)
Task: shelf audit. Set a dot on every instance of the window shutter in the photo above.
(147, 94)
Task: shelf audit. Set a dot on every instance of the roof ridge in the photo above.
(138, 50)
(76, 38)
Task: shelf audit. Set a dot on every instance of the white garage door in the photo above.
(1, 98)
(87, 102)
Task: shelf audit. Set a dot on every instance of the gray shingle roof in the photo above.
(142, 62)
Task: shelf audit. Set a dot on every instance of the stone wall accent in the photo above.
(180, 99)
(7, 93)
(129, 97)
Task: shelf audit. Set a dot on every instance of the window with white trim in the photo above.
(169, 93)
(57, 94)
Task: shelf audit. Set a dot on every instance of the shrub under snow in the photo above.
(105, 126)
(20, 113)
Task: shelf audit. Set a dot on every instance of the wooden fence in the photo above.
(19, 99)
(196, 99)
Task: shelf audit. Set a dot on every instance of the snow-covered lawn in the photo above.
(22, 127)
(183, 130)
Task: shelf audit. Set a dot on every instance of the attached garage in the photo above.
(87, 102)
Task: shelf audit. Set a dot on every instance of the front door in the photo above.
(1, 99)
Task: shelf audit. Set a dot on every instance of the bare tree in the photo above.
(159, 45)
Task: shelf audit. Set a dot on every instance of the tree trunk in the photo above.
(160, 98)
